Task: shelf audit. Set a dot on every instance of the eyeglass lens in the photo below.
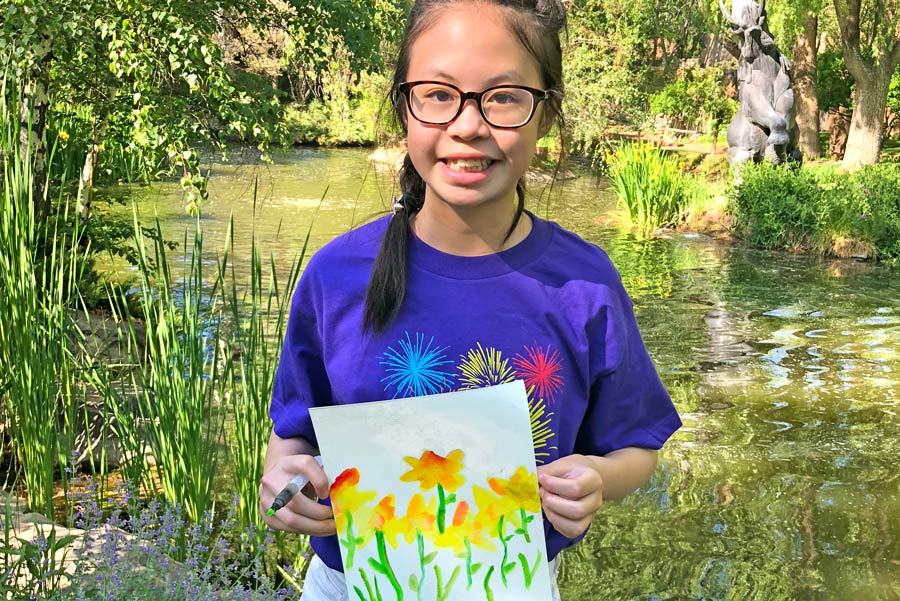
(501, 107)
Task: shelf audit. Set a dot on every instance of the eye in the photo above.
(506, 97)
(437, 95)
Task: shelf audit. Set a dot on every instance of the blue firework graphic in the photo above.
(414, 368)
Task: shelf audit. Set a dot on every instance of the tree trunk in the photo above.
(806, 100)
(86, 183)
(33, 108)
(867, 123)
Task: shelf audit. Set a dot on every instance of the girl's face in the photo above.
(468, 163)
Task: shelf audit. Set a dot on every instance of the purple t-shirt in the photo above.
(550, 311)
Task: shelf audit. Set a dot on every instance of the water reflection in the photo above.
(783, 483)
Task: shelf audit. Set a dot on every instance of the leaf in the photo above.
(376, 565)
(413, 582)
(430, 557)
(476, 567)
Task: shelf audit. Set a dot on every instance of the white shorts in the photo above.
(324, 584)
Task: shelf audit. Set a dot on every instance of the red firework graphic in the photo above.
(540, 368)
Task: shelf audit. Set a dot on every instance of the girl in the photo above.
(461, 287)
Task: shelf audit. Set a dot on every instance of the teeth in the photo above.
(469, 165)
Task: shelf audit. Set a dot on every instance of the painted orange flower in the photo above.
(431, 469)
(346, 498)
(385, 519)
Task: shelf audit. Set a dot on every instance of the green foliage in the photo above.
(40, 263)
(258, 318)
(835, 86)
(650, 184)
(182, 370)
(142, 84)
(698, 95)
(776, 207)
(351, 118)
(618, 53)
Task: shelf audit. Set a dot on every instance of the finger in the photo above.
(570, 487)
(572, 509)
(567, 527)
(303, 505)
(562, 467)
(292, 522)
(307, 465)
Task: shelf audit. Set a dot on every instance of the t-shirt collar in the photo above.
(473, 268)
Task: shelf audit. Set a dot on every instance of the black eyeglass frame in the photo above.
(405, 89)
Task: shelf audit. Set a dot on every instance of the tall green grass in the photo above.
(650, 184)
(168, 405)
(258, 314)
(40, 265)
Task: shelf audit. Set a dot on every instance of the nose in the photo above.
(469, 123)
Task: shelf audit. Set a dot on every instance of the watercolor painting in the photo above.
(436, 497)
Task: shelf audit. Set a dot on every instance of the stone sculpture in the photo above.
(764, 126)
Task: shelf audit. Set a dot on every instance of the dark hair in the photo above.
(537, 24)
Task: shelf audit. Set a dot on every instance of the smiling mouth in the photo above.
(468, 165)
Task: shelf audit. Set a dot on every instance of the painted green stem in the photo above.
(386, 564)
(488, 593)
(468, 563)
(524, 517)
(350, 542)
(420, 541)
(442, 509)
(500, 529)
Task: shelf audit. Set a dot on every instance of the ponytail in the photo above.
(387, 286)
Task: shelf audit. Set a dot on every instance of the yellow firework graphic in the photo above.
(541, 432)
(482, 367)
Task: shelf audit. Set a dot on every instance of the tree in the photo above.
(798, 25)
(147, 77)
(870, 38)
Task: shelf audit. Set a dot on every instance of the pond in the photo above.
(783, 482)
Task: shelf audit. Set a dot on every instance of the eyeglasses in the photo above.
(439, 103)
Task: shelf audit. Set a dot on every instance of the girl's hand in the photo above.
(571, 492)
(302, 514)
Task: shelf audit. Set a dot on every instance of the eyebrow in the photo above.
(511, 77)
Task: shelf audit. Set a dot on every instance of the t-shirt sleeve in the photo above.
(301, 381)
(628, 406)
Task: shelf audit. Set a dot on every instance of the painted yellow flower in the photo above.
(346, 498)
(454, 536)
(420, 516)
(520, 491)
(385, 519)
(431, 469)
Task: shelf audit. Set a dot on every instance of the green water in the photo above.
(784, 482)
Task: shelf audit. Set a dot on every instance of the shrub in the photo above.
(650, 184)
(876, 192)
(776, 207)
